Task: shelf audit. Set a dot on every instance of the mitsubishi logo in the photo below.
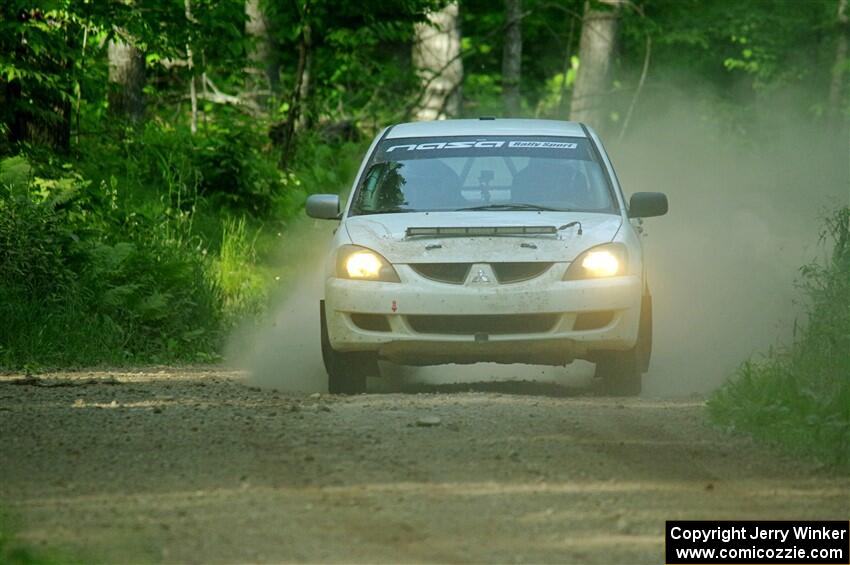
(480, 278)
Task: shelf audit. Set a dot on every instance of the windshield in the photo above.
(493, 173)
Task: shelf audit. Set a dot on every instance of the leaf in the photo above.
(112, 258)
(154, 306)
(119, 296)
(15, 172)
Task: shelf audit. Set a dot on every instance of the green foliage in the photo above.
(360, 54)
(800, 398)
(77, 271)
(38, 242)
(322, 167)
(732, 55)
(128, 242)
(556, 97)
(145, 250)
(14, 551)
(233, 172)
(53, 60)
(244, 290)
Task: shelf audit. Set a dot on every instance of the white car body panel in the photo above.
(555, 128)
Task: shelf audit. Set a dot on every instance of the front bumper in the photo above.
(400, 308)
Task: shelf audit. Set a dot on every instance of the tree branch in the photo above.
(636, 95)
(219, 97)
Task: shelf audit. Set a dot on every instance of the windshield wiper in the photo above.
(513, 206)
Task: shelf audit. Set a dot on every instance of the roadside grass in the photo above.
(151, 247)
(13, 551)
(799, 398)
(243, 286)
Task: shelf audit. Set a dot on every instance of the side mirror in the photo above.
(323, 206)
(647, 204)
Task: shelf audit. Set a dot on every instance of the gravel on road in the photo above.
(192, 465)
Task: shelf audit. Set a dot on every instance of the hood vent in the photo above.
(481, 231)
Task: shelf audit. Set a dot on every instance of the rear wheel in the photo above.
(347, 372)
(621, 371)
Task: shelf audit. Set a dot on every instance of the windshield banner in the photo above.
(497, 146)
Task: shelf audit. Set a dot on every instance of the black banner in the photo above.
(769, 542)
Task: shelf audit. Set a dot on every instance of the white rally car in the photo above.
(507, 241)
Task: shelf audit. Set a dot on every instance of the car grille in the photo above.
(453, 273)
(456, 273)
(515, 272)
(484, 324)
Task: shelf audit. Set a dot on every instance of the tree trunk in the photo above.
(596, 50)
(20, 118)
(263, 68)
(190, 58)
(436, 57)
(568, 64)
(126, 80)
(284, 134)
(512, 58)
(839, 69)
(305, 114)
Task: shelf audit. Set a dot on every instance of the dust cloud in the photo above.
(283, 350)
(744, 216)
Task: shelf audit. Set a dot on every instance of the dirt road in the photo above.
(194, 466)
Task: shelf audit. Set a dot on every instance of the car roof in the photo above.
(486, 126)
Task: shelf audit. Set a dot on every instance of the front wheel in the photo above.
(621, 371)
(347, 372)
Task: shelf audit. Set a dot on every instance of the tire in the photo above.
(621, 371)
(347, 372)
(645, 333)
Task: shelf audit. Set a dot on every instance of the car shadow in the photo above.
(520, 388)
(521, 380)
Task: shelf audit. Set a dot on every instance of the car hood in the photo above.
(387, 234)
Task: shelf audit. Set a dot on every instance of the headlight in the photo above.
(359, 263)
(607, 260)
